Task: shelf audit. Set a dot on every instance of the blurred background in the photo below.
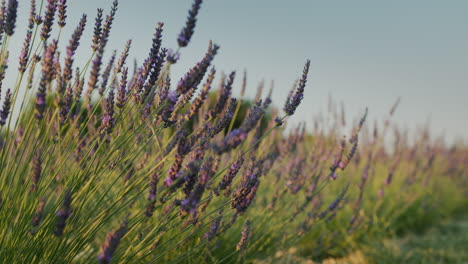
(363, 53)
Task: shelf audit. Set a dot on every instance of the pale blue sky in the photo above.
(365, 53)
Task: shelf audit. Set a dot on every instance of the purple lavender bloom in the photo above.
(293, 101)
(106, 73)
(47, 74)
(111, 243)
(152, 191)
(168, 109)
(231, 141)
(102, 41)
(183, 148)
(122, 91)
(63, 214)
(62, 13)
(190, 203)
(93, 77)
(6, 108)
(226, 119)
(334, 204)
(231, 173)
(244, 236)
(48, 19)
(24, 55)
(97, 29)
(107, 124)
(223, 97)
(153, 186)
(10, 17)
(123, 57)
(195, 75)
(65, 105)
(71, 49)
(245, 193)
(214, 228)
(107, 26)
(32, 15)
(254, 115)
(154, 76)
(36, 220)
(172, 56)
(187, 32)
(191, 170)
(2, 18)
(37, 171)
(198, 102)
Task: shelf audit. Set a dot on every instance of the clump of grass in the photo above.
(103, 164)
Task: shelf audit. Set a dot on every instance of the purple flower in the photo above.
(195, 75)
(167, 111)
(63, 214)
(190, 203)
(254, 115)
(107, 124)
(47, 73)
(231, 141)
(48, 19)
(24, 55)
(32, 15)
(198, 102)
(106, 73)
(111, 243)
(226, 119)
(65, 105)
(37, 171)
(187, 32)
(172, 57)
(214, 227)
(191, 170)
(62, 13)
(10, 17)
(6, 108)
(97, 29)
(244, 236)
(294, 100)
(123, 57)
(231, 173)
(244, 195)
(71, 49)
(36, 220)
(122, 91)
(223, 97)
(331, 208)
(102, 41)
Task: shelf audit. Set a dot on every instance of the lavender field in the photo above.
(118, 160)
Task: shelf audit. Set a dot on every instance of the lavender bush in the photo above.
(109, 163)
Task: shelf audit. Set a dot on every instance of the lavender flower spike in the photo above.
(111, 243)
(10, 18)
(37, 171)
(71, 48)
(293, 101)
(122, 91)
(6, 108)
(62, 13)
(63, 214)
(187, 32)
(245, 236)
(24, 56)
(214, 227)
(231, 173)
(97, 30)
(48, 19)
